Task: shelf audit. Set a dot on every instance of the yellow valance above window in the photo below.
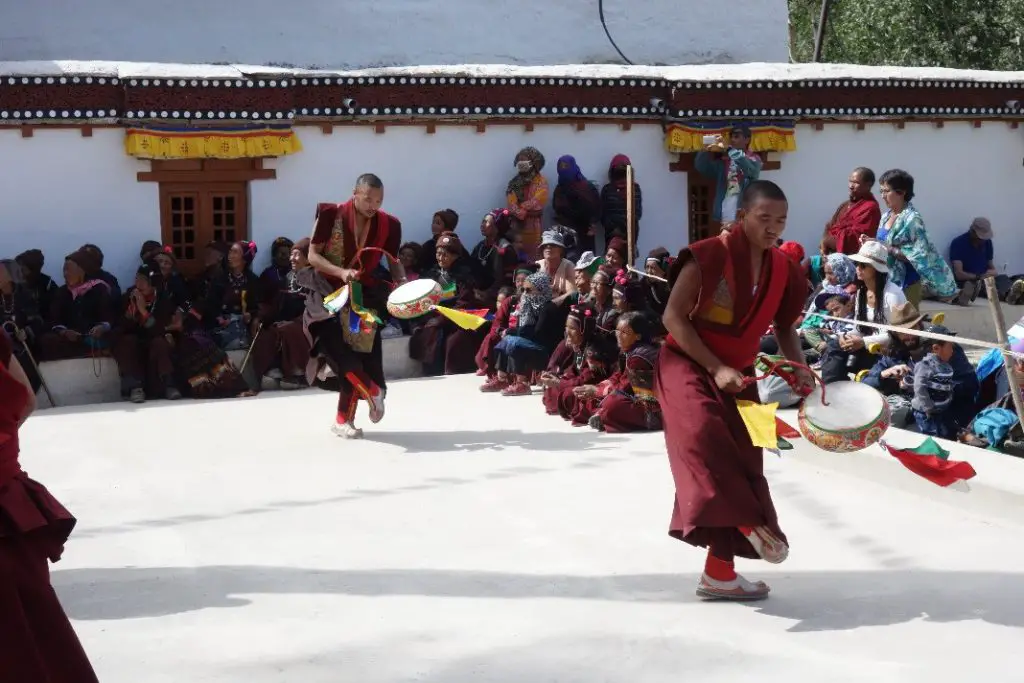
(246, 142)
(773, 136)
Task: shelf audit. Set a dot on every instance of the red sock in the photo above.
(746, 530)
(718, 569)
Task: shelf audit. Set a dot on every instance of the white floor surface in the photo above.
(471, 538)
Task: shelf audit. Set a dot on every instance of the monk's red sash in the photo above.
(738, 347)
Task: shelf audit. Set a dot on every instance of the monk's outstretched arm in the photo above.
(681, 303)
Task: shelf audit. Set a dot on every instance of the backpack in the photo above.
(994, 425)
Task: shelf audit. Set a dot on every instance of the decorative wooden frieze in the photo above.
(453, 97)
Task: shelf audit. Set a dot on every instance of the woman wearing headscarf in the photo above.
(240, 293)
(534, 331)
(576, 202)
(569, 358)
(485, 355)
(616, 256)
(82, 313)
(527, 194)
(143, 353)
(437, 342)
(613, 201)
(274, 277)
(37, 641)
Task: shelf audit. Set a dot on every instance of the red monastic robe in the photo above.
(852, 220)
(718, 472)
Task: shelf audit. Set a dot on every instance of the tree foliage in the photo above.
(963, 34)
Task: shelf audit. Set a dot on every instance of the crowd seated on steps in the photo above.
(566, 315)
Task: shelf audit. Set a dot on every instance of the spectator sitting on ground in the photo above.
(971, 256)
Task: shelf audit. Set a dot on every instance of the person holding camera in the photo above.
(732, 166)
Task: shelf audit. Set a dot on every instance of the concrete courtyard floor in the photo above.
(471, 538)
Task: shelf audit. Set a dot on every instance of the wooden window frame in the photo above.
(205, 180)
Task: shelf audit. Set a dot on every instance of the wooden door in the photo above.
(701, 194)
(194, 214)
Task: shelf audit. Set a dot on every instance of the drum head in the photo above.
(412, 291)
(850, 405)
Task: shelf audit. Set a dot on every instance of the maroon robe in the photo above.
(634, 407)
(485, 354)
(853, 220)
(37, 642)
(718, 472)
(564, 362)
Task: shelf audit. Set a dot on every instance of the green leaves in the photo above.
(964, 34)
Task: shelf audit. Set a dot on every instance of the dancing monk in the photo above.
(727, 290)
(346, 248)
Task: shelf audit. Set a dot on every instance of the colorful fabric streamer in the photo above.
(931, 461)
(464, 319)
(759, 419)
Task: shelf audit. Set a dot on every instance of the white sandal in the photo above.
(347, 430)
(739, 589)
(767, 545)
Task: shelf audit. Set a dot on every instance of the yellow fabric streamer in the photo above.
(157, 143)
(760, 422)
(466, 321)
(683, 139)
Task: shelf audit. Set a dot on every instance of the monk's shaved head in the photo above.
(369, 180)
(761, 189)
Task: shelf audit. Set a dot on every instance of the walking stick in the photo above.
(252, 344)
(35, 366)
(629, 214)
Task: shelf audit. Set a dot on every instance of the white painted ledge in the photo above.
(85, 381)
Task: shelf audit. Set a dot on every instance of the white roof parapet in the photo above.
(755, 71)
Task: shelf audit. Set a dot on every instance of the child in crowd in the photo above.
(932, 403)
(816, 330)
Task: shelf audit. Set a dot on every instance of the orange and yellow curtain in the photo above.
(239, 142)
(766, 136)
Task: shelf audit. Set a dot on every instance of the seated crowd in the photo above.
(584, 329)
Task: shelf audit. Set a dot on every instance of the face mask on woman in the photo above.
(524, 166)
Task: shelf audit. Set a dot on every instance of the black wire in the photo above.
(600, 11)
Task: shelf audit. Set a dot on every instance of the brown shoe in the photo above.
(739, 589)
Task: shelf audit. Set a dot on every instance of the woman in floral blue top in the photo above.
(914, 262)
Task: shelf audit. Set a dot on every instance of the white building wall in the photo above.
(458, 168)
(959, 172)
(59, 190)
(351, 34)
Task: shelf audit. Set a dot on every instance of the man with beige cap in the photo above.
(971, 256)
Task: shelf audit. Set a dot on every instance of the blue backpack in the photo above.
(993, 424)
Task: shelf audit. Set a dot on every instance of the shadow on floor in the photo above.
(583, 439)
(816, 601)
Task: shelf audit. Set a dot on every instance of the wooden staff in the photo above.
(642, 273)
(629, 214)
(991, 293)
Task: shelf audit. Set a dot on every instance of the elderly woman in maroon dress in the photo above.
(37, 642)
(632, 406)
(569, 357)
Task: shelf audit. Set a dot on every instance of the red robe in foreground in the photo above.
(852, 220)
(37, 643)
(718, 472)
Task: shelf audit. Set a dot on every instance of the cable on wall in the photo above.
(604, 25)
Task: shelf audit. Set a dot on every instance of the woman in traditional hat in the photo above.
(445, 220)
(527, 194)
(657, 291)
(38, 642)
(569, 358)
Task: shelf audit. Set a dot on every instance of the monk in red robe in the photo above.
(37, 642)
(348, 243)
(727, 290)
(856, 219)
